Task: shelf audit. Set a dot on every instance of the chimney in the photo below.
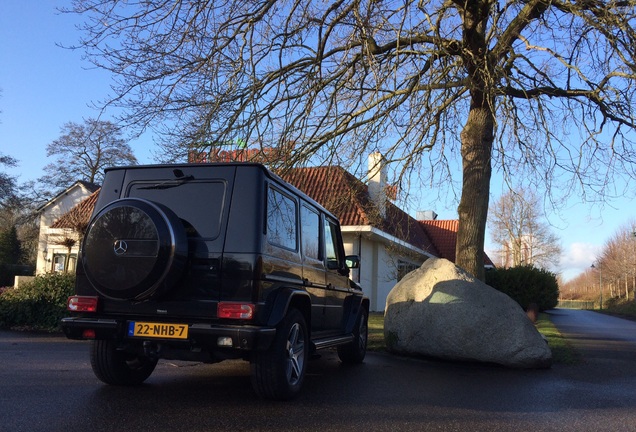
(422, 215)
(377, 181)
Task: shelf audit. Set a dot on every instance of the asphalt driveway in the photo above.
(46, 384)
(608, 345)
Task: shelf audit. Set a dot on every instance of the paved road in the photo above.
(608, 344)
(46, 384)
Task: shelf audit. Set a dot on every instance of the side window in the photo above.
(310, 232)
(281, 220)
(331, 246)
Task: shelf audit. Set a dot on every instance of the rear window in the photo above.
(199, 204)
(281, 220)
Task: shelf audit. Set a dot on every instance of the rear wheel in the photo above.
(355, 351)
(279, 372)
(116, 367)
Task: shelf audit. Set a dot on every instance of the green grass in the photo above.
(376, 332)
(621, 308)
(562, 350)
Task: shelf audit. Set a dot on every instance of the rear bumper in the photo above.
(205, 336)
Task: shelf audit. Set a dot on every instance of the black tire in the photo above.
(279, 372)
(116, 367)
(354, 352)
(134, 249)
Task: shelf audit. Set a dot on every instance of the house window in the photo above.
(405, 268)
(59, 263)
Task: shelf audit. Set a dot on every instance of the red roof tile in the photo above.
(335, 189)
(347, 197)
(444, 234)
(79, 215)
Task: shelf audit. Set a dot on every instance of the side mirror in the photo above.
(352, 261)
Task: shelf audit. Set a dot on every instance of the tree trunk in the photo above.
(477, 138)
(67, 259)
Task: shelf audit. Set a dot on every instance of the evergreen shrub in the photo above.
(39, 304)
(527, 285)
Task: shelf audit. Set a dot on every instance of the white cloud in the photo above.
(578, 257)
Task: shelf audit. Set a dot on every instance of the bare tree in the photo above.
(613, 272)
(17, 210)
(8, 184)
(584, 287)
(618, 261)
(543, 89)
(83, 151)
(519, 228)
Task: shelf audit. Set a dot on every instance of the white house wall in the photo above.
(50, 213)
(378, 266)
(373, 271)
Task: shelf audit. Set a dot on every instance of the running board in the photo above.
(332, 341)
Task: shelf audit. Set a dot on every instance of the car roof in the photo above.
(242, 165)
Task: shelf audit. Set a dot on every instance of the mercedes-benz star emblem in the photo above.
(120, 247)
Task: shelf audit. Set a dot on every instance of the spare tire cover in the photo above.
(134, 249)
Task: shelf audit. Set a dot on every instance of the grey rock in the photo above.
(441, 311)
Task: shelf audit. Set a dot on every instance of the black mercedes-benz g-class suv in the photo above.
(208, 262)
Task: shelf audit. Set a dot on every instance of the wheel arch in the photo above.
(353, 308)
(286, 299)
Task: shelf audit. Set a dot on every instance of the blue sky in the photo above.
(44, 86)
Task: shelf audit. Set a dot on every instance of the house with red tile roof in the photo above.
(52, 255)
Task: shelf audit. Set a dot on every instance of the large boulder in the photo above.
(441, 311)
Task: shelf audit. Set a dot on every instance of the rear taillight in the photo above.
(88, 334)
(235, 310)
(82, 304)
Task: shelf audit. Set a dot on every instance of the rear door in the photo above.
(313, 264)
(284, 265)
(200, 197)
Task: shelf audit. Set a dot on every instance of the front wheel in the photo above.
(355, 351)
(116, 367)
(278, 373)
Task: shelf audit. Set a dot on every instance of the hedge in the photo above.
(38, 304)
(527, 285)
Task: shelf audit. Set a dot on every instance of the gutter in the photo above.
(384, 237)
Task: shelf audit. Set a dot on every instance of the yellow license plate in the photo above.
(157, 330)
